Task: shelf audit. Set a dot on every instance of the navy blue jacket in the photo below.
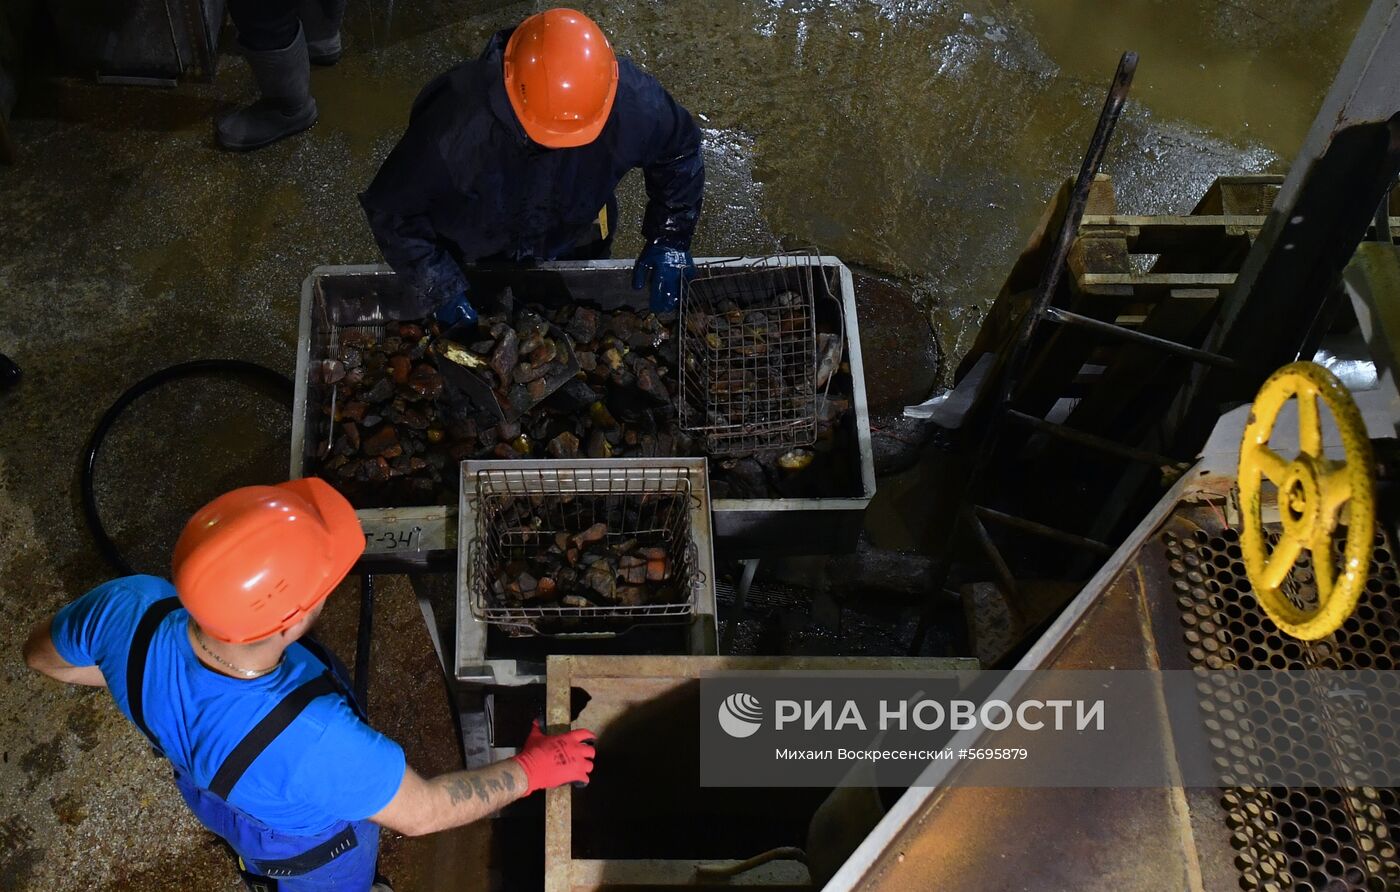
(465, 183)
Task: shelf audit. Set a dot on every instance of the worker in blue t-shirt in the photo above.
(269, 748)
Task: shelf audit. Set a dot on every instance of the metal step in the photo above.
(1092, 441)
(1041, 530)
(1064, 317)
(1150, 286)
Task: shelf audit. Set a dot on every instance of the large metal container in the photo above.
(338, 296)
(143, 42)
(646, 712)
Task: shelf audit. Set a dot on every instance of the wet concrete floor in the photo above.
(918, 138)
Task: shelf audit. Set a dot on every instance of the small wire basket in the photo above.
(522, 513)
(749, 359)
(326, 336)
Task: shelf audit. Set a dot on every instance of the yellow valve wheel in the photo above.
(1312, 491)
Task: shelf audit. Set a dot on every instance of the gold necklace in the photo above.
(244, 673)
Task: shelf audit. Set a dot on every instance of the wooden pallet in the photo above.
(1170, 272)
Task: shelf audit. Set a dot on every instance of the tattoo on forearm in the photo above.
(458, 790)
(484, 787)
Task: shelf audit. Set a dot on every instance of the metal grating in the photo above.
(749, 355)
(1308, 839)
(520, 512)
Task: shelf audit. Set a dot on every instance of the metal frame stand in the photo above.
(465, 701)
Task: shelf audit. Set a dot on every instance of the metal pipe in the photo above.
(999, 566)
(364, 641)
(1074, 214)
(174, 40)
(1040, 529)
(1127, 334)
(1382, 232)
(1045, 292)
(1083, 438)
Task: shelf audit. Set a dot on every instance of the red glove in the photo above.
(553, 759)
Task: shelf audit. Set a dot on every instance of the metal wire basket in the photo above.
(325, 336)
(749, 354)
(522, 512)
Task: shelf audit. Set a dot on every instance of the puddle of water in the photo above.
(922, 138)
(363, 101)
(1243, 71)
(217, 245)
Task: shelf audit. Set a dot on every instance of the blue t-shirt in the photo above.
(327, 766)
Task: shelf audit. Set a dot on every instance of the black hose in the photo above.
(193, 369)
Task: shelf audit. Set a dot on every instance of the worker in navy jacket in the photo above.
(514, 157)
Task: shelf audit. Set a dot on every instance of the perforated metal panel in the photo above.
(1309, 839)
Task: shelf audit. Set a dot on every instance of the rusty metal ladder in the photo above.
(972, 516)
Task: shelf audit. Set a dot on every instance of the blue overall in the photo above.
(352, 851)
(309, 697)
(265, 854)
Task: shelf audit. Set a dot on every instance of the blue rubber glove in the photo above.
(457, 311)
(665, 267)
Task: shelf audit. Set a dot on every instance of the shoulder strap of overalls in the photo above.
(136, 662)
(266, 731)
(318, 650)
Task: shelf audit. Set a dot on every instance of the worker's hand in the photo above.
(457, 311)
(665, 267)
(553, 759)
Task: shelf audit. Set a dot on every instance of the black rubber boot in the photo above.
(285, 107)
(9, 372)
(321, 19)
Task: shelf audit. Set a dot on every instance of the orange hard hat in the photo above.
(256, 560)
(561, 77)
